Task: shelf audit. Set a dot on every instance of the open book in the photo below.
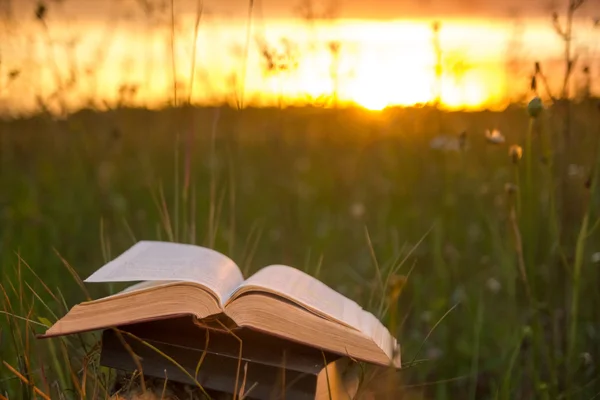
(181, 279)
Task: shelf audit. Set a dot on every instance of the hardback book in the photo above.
(177, 279)
(250, 364)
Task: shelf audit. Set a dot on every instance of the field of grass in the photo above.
(495, 295)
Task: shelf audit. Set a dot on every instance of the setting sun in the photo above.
(369, 97)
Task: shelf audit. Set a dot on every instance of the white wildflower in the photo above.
(575, 170)
(445, 143)
(493, 285)
(586, 358)
(459, 295)
(596, 258)
(494, 136)
(515, 153)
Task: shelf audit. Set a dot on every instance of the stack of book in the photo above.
(195, 319)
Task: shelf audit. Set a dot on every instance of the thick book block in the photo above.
(271, 367)
(181, 279)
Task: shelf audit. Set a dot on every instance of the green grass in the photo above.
(357, 198)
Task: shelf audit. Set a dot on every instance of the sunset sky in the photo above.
(351, 9)
(393, 9)
(91, 50)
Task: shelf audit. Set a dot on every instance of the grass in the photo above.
(492, 294)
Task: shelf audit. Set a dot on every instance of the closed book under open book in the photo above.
(187, 280)
(251, 364)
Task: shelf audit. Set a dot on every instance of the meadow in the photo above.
(474, 235)
(492, 251)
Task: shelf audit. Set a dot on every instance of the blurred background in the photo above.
(339, 137)
(65, 55)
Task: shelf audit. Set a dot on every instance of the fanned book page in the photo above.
(302, 288)
(163, 261)
(312, 294)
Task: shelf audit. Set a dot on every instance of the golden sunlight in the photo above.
(368, 63)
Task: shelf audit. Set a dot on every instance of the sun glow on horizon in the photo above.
(376, 65)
